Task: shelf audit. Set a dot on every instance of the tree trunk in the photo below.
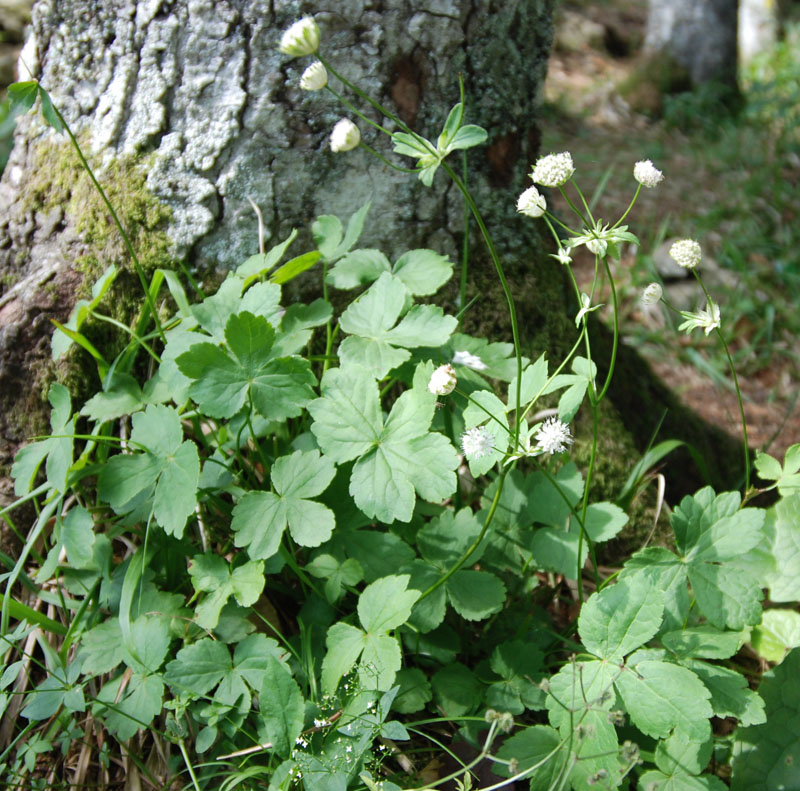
(189, 110)
(759, 23)
(699, 35)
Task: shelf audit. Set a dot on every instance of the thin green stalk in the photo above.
(475, 544)
(385, 161)
(735, 384)
(125, 328)
(613, 362)
(630, 206)
(136, 263)
(188, 763)
(583, 200)
(585, 505)
(462, 287)
(503, 282)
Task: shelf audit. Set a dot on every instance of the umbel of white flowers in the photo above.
(647, 174)
(345, 136)
(553, 436)
(685, 253)
(314, 78)
(302, 38)
(477, 442)
(554, 170)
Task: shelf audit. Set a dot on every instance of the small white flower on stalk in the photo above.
(553, 170)
(443, 380)
(345, 136)
(302, 38)
(707, 320)
(562, 256)
(647, 174)
(586, 307)
(477, 443)
(470, 360)
(686, 253)
(553, 436)
(531, 203)
(314, 78)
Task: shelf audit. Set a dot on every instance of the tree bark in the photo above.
(700, 35)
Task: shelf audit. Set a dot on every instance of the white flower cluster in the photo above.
(302, 38)
(443, 380)
(647, 174)
(562, 256)
(314, 78)
(531, 203)
(686, 253)
(554, 170)
(652, 294)
(477, 442)
(553, 436)
(345, 136)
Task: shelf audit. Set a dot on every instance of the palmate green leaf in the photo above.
(395, 458)
(620, 618)
(658, 781)
(447, 537)
(199, 667)
(668, 574)
(536, 746)
(519, 666)
(152, 637)
(596, 751)
(169, 470)
(101, 648)
(137, 707)
(336, 573)
(456, 690)
(371, 319)
(379, 554)
(298, 324)
(57, 449)
(122, 396)
(357, 268)
(730, 695)
(660, 697)
(534, 379)
(383, 606)
(212, 574)
(423, 272)
(475, 595)
(552, 505)
(579, 686)
(777, 634)
(679, 754)
(786, 477)
(415, 691)
(603, 521)
(281, 708)
(775, 561)
(767, 756)
(260, 518)
(225, 379)
(77, 537)
(726, 596)
(703, 642)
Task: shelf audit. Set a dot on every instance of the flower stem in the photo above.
(615, 345)
(630, 206)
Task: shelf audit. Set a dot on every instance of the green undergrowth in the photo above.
(288, 546)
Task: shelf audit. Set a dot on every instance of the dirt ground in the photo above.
(596, 46)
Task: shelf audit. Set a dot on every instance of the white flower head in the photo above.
(562, 256)
(314, 78)
(652, 294)
(686, 253)
(443, 380)
(647, 174)
(553, 436)
(470, 360)
(531, 203)
(477, 442)
(345, 136)
(302, 38)
(553, 170)
(708, 319)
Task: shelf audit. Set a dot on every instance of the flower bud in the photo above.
(302, 38)
(531, 203)
(652, 294)
(443, 380)
(314, 78)
(345, 136)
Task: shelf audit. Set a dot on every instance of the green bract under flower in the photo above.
(602, 240)
(707, 320)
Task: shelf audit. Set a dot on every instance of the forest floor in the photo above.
(717, 190)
